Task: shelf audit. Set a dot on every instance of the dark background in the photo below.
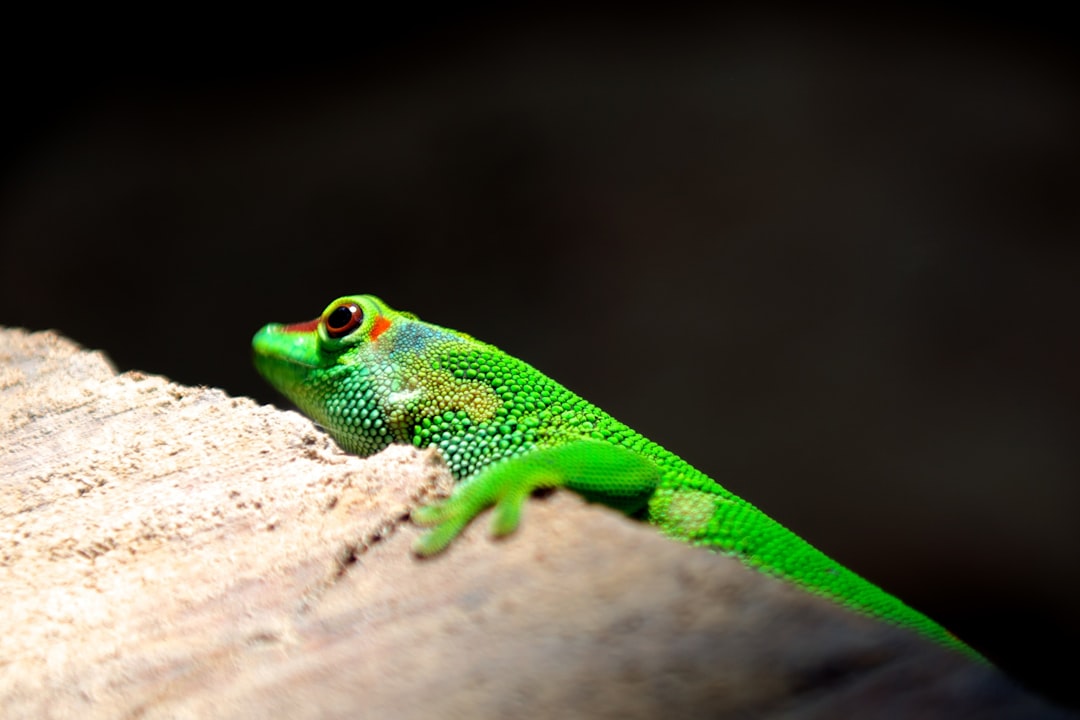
(829, 259)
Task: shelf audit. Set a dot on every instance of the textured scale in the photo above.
(373, 376)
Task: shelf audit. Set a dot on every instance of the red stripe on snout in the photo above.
(302, 327)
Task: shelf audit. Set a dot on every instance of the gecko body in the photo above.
(373, 376)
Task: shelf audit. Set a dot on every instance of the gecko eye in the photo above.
(343, 319)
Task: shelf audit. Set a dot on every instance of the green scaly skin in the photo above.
(373, 376)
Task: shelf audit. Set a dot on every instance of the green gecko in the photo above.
(373, 376)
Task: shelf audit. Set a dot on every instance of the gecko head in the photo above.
(292, 356)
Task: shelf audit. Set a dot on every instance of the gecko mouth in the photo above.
(287, 344)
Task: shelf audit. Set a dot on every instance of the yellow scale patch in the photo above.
(690, 511)
(442, 391)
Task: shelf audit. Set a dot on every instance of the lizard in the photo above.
(373, 376)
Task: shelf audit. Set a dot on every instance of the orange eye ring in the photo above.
(343, 319)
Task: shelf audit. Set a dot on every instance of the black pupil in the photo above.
(341, 317)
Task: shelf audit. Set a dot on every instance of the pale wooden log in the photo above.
(168, 551)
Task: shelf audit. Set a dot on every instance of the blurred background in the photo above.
(829, 259)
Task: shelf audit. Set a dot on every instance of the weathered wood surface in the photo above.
(169, 551)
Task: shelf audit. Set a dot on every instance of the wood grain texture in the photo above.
(168, 551)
